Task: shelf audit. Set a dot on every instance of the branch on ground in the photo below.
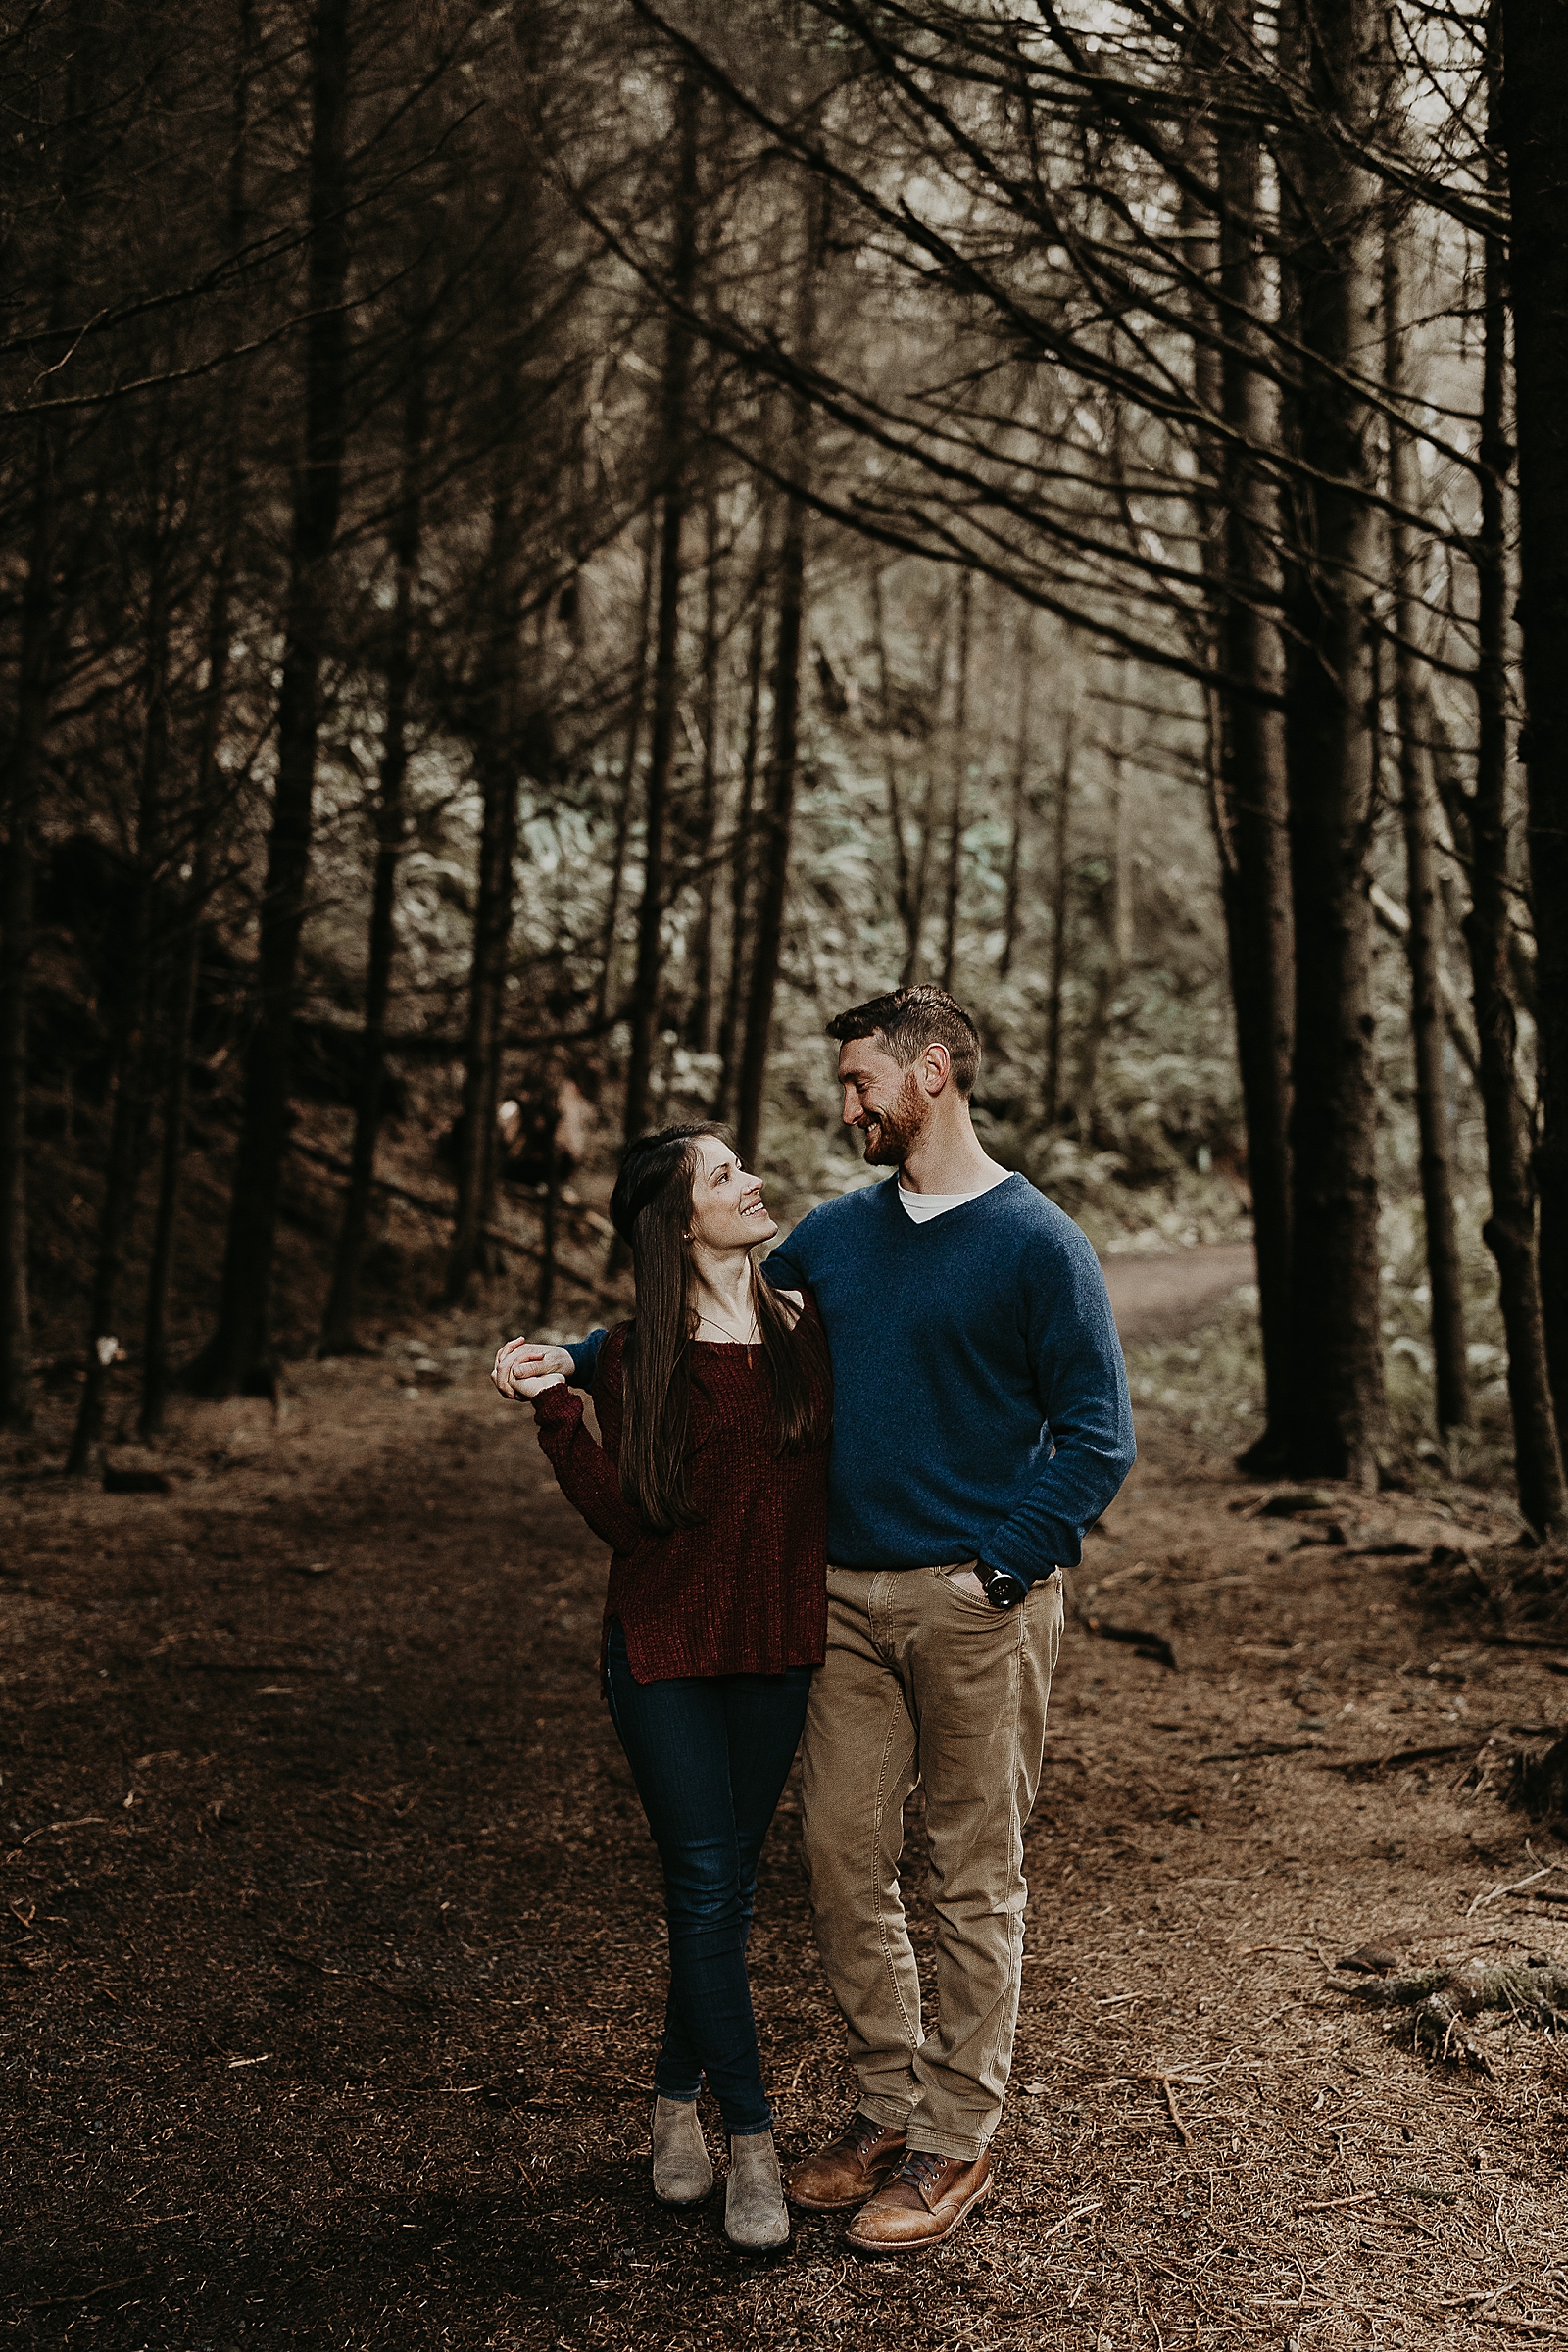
(1442, 1997)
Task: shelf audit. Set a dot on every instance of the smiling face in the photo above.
(727, 1212)
(882, 1099)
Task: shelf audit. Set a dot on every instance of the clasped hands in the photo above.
(522, 1370)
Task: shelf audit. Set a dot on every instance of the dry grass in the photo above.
(334, 1957)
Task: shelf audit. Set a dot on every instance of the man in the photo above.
(981, 1423)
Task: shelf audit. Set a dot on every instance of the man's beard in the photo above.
(892, 1135)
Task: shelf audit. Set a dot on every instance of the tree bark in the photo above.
(919, 877)
(338, 1322)
(1535, 132)
(628, 777)
(903, 892)
(1020, 793)
(952, 878)
(742, 852)
(1336, 1414)
(1511, 1229)
(239, 1358)
(920, 865)
(1116, 932)
(700, 1025)
(127, 1118)
(545, 1300)
(675, 461)
(497, 747)
(186, 976)
(784, 749)
(23, 785)
(1427, 1029)
(1060, 837)
(1248, 773)
(42, 600)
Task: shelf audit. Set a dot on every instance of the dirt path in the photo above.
(1168, 1296)
(333, 1964)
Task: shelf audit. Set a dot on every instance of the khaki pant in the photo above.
(924, 1682)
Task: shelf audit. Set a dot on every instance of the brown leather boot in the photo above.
(849, 2170)
(923, 2203)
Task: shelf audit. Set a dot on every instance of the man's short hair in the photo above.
(907, 1021)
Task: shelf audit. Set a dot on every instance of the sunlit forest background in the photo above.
(544, 550)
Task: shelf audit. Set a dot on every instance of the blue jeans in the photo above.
(709, 1755)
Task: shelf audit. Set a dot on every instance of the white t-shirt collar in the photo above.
(923, 1206)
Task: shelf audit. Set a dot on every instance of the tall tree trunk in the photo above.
(675, 459)
(185, 974)
(39, 619)
(240, 1354)
(1428, 1032)
(1116, 931)
(1020, 793)
(700, 1026)
(24, 780)
(919, 877)
(1535, 132)
(1060, 839)
(1338, 1415)
(784, 749)
(903, 894)
(920, 870)
(1247, 771)
(954, 876)
(628, 777)
(182, 994)
(741, 854)
(337, 1324)
(131, 999)
(497, 747)
(1511, 1230)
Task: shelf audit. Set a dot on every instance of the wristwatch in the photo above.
(1004, 1590)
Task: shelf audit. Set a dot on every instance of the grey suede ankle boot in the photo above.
(755, 2216)
(683, 2172)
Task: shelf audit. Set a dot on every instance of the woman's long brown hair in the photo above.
(651, 1209)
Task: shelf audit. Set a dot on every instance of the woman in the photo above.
(712, 1490)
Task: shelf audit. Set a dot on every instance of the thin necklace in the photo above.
(748, 1339)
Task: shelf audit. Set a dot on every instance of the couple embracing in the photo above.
(838, 1493)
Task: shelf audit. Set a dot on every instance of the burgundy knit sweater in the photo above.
(743, 1591)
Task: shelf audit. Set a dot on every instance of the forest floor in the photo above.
(333, 1960)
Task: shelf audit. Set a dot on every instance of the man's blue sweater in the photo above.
(980, 1406)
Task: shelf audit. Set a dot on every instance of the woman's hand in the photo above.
(522, 1370)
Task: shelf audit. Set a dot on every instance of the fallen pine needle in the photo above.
(1076, 2215)
(108, 2288)
(1481, 1901)
(51, 1829)
(1480, 2296)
